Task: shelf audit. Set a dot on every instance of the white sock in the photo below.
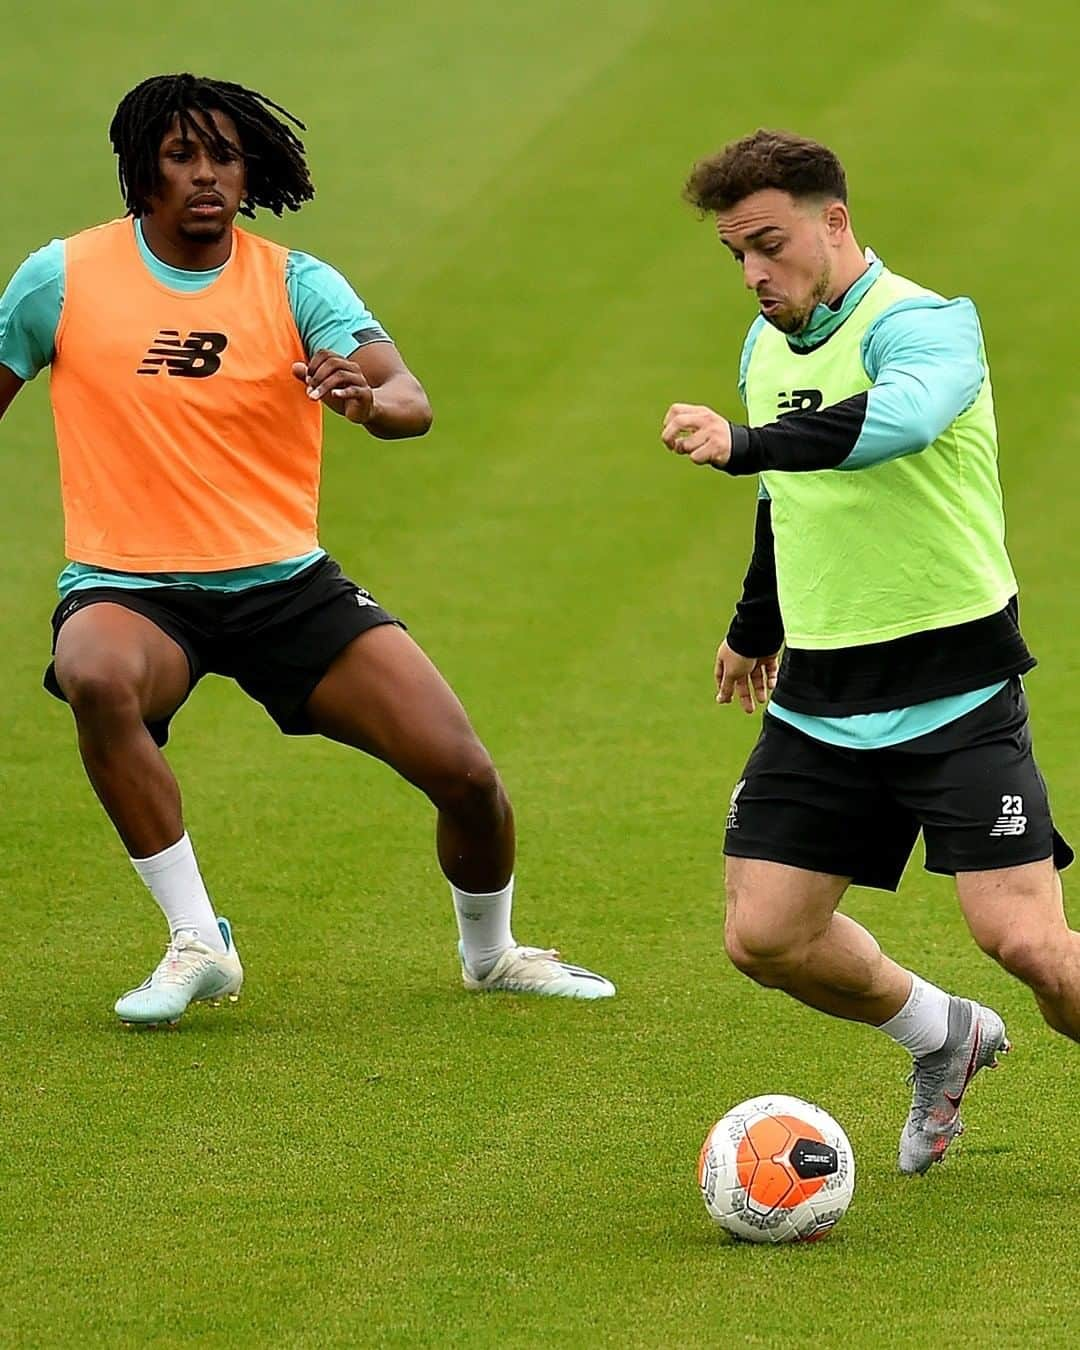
(176, 884)
(922, 1023)
(484, 924)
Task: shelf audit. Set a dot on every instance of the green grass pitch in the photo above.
(359, 1154)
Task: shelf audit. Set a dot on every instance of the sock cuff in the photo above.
(922, 1024)
(484, 895)
(914, 998)
(156, 862)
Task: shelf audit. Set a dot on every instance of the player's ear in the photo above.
(837, 220)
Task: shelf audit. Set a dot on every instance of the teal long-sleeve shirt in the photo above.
(925, 358)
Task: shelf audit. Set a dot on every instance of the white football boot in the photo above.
(189, 972)
(535, 970)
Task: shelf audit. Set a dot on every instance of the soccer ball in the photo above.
(776, 1169)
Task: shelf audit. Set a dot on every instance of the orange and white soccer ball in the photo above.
(777, 1169)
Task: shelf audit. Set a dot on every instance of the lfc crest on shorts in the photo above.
(733, 808)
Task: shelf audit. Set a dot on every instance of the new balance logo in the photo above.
(733, 809)
(1012, 821)
(195, 357)
(799, 401)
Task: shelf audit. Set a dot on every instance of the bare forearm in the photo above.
(400, 409)
(373, 388)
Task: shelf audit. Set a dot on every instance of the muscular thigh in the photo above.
(1011, 907)
(771, 906)
(383, 695)
(104, 645)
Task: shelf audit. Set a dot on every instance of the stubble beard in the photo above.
(795, 321)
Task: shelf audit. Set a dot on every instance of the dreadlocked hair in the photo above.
(277, 172)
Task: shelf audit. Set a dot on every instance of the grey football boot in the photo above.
(975, 1038)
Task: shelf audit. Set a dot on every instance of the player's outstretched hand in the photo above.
(340, 384)
(750, 679)
(691, 429)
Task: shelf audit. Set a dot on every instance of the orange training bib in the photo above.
(186, 443)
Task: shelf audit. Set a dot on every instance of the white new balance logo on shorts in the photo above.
(1012, 820)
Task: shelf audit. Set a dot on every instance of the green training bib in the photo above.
(908, 545)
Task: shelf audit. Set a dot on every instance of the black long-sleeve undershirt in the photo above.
(799, 442)
(757, 628)
(877, 676)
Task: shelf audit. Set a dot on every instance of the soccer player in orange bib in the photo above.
(191, 363)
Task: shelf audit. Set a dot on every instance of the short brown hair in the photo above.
(766, 159)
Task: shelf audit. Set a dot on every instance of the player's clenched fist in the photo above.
(339, 383)
(691, 429)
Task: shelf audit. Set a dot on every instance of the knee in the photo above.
(466, 785)
(769, 957)
(1031, 957)
(99, 690)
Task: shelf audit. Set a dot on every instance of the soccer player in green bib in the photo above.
(879, 567)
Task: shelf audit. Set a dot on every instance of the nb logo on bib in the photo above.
(798, 401)
(195, 357)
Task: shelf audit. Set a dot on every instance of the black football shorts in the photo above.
(276, 641)
(972, 787)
